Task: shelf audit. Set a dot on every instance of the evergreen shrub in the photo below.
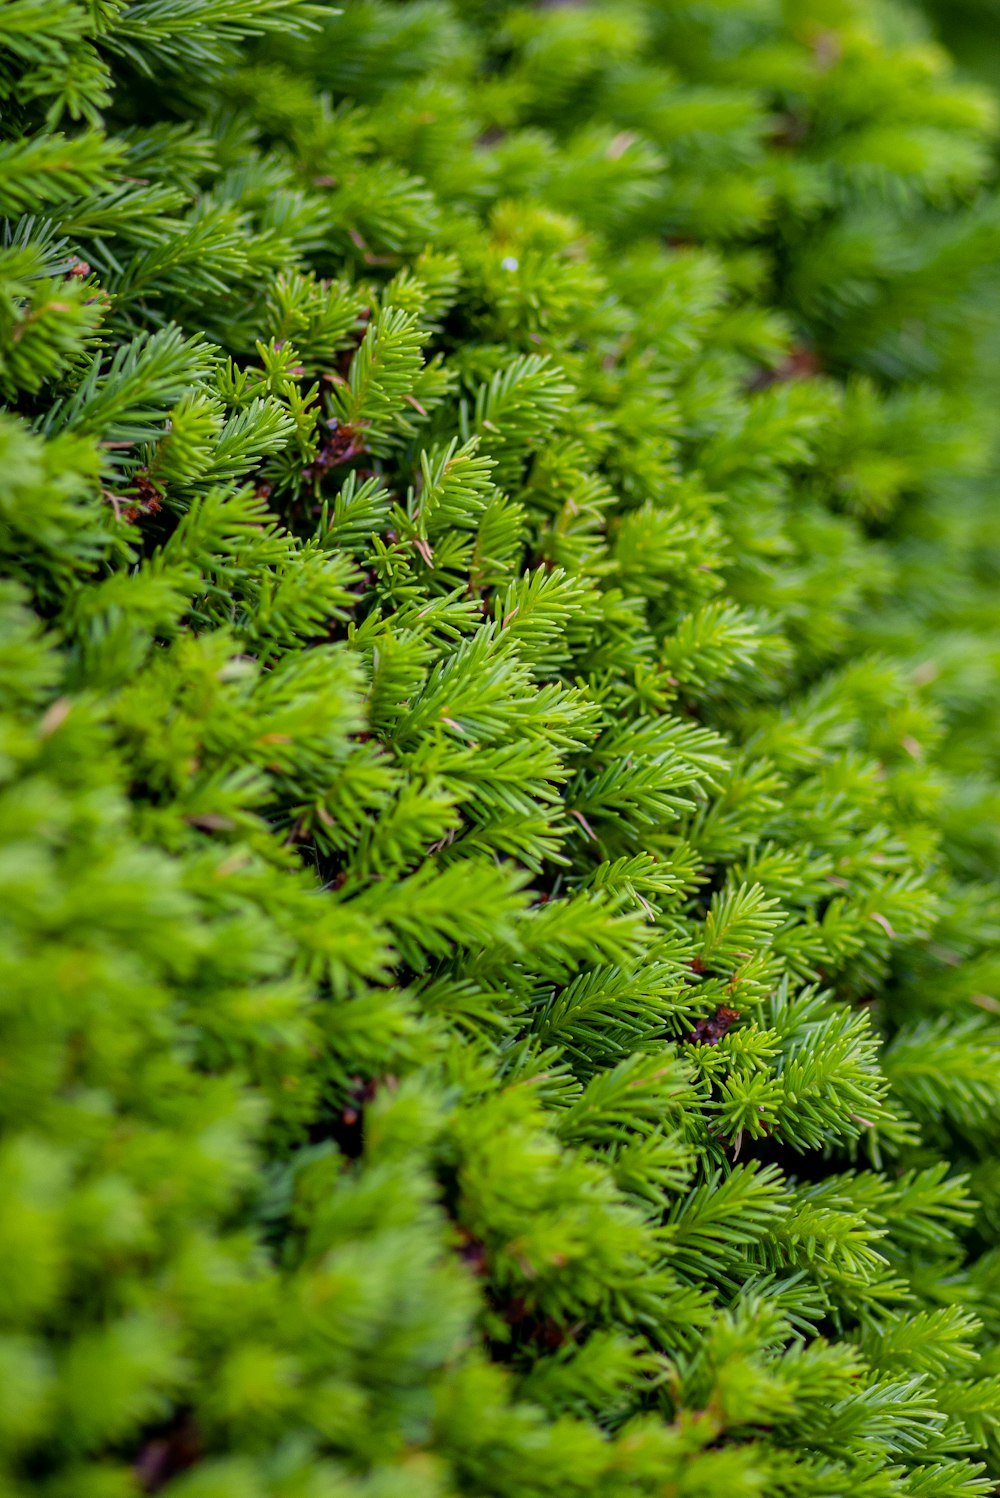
(499, 931)
(971, 30)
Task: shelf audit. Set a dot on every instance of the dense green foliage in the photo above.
(499, 933)
(971, 29)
